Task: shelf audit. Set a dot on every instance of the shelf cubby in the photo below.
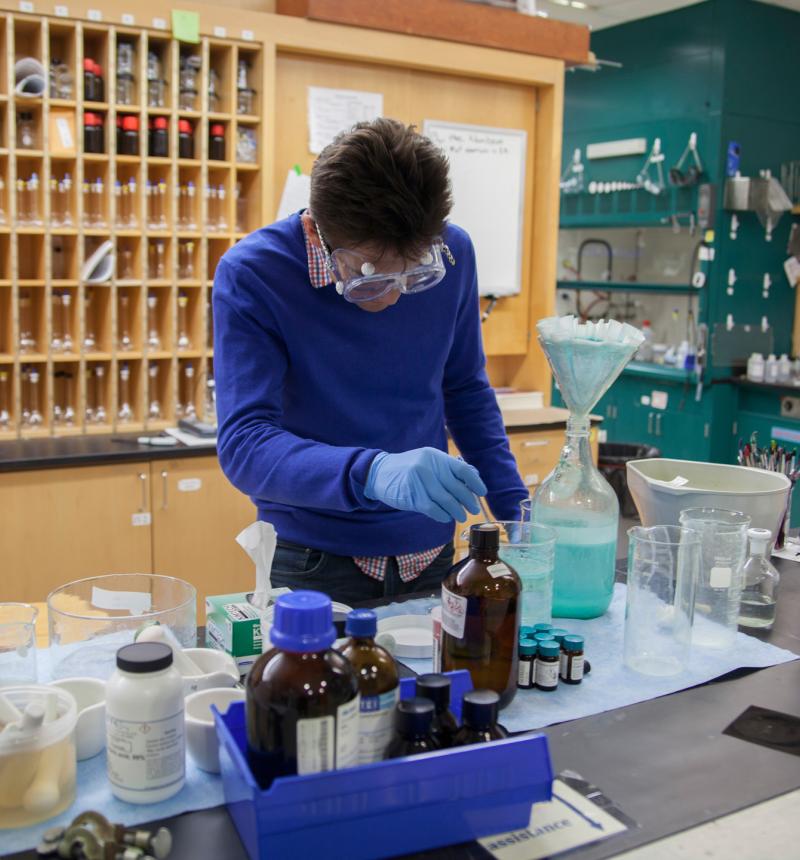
(160, 391)
(97, 414)
(66, 417)
(129, 402)
(6, 325)
(96, 328)
(130, 320)
(30, 257)
(160, 322)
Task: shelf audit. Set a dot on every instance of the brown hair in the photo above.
(381, 183)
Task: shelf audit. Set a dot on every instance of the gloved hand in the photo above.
(427, 481)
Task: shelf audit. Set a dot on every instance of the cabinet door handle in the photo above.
(143, 479)
(658, 424)
(649, 422)
(164, 483)
(536, 443)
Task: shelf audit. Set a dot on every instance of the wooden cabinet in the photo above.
(65, 524)
(177, 517)
(197, 514)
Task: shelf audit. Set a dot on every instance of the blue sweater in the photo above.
(310, 388)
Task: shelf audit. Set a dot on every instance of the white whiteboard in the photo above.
(487, 168)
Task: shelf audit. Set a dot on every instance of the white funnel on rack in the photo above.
(586, 357)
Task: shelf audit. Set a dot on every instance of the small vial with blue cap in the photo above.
(302, 697)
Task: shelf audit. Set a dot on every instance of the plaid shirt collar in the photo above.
(318, 272)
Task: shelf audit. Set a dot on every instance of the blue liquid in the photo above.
(586, 550)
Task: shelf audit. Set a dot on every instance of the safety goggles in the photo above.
(357, 280)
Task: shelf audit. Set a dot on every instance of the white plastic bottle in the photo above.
(771, 369)
(755, 367)
(645, 351)
(760, 588)
(784, 368)
(145, 738)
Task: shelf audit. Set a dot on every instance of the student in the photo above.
(347, 338)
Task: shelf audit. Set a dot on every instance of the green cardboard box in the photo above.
(233, 625)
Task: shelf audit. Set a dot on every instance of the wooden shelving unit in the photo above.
(74, 353)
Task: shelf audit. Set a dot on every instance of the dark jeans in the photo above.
(296, 566)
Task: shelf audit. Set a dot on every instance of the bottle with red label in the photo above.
(481, 604)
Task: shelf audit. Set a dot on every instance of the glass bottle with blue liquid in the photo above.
(575, 499)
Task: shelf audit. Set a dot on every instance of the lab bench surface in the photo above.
(665, 762)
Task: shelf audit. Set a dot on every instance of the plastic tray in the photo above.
(388, 808)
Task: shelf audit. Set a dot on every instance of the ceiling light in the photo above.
(577, 4)
(560, 2)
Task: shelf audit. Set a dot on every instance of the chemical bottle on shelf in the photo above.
(479, 717)
(378, 683)
(481, 605)
(784, 368)
(771, 369)
(302, 700)
(159, 138)
(755, 367)
(185, 139)
(216, 142)
(645, 351)
(413, 718)
(759, 593)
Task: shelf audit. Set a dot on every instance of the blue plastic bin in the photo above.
(388, 808)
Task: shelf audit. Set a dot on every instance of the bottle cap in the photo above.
(645, 322)
(160, 122)
(525, 630)
(88, 64)
(558, 633)
(484, 536)
(142, 657)
(303, 622)
(97, 69)
(413, 716)
(759, 539)
(542, 628)
(544, 637)
(528, 648)
(361, 622)
(436, 688)
(218, 130)
(130, 123)
(88, 118)
(479, 708)
(184, 126)
(549, 648)
(573, 643)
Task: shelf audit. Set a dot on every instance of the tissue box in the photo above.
(233, 625)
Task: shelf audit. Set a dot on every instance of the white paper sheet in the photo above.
(296, 194)
(331, 111)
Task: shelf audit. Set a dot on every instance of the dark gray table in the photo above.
(665, 762)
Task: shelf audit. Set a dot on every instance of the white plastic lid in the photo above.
(759, 539)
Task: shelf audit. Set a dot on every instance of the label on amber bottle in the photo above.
(454, 613)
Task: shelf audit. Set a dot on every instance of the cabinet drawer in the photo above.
(536, 454)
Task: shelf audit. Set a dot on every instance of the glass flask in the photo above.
(100, 416)
(125, 341)
(575, 499)
(154, 408)
(760, 589)
(5, 401)
(184, 341)
(27, 342)
(153, 337)
(125, 412)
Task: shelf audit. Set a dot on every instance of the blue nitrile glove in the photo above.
(426, 481)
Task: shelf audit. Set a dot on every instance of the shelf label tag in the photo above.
(160, 23)
(659, 399)
(189, 485)
(65, 133)
(94, 14)
(220, 32)
(25, 6)
(127, 19)
(61, 12)
(186, 26)
(247, 35)
(141, 519)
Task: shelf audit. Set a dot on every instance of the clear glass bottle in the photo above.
(184, 342)
(89, 337)
(100, 415)
(481, 607)
(55, 336)
(153, 337)
(67, 342)
(5, 401)
(26, 131)
(65, 189)
(760, 591)
(580, 505)
(27, 341)
(35, 418)
(125, 412)
(185, 407)
(154, 408)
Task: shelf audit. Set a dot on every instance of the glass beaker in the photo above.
(719, 587)
(5, 401)
(17, 644)
(663, 568)
(530, 550)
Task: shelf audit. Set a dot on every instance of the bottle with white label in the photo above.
(378, 683)
(547, 665)
(572, 659)
(145, 738)
(302, 700)
(481, 605)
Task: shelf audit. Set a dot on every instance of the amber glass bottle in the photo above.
(412, 722)
(436, 688)
(378, 683)
(479, 717)
(480, 616)
(302, 696)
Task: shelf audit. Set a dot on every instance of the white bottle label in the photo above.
(347, 733)
(546, 674)
(720, 577)
(562, 665)
(454, 613)
(376, 725)
(524, 673)
(326, 743)
(145, 755)
(576, 670)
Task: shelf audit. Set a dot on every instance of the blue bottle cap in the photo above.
(528, 647)
(361, 622)
(542, 628)
(550, 648)
(525, 630)
(573, 643)
(303, 622)
(543, 637)
(558, 633)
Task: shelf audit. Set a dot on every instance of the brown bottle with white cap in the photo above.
(480, 616)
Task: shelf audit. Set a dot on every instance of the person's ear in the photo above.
(310, 230)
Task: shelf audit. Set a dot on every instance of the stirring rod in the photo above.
(479, 499)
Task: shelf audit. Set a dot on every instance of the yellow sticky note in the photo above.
(186, 26)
